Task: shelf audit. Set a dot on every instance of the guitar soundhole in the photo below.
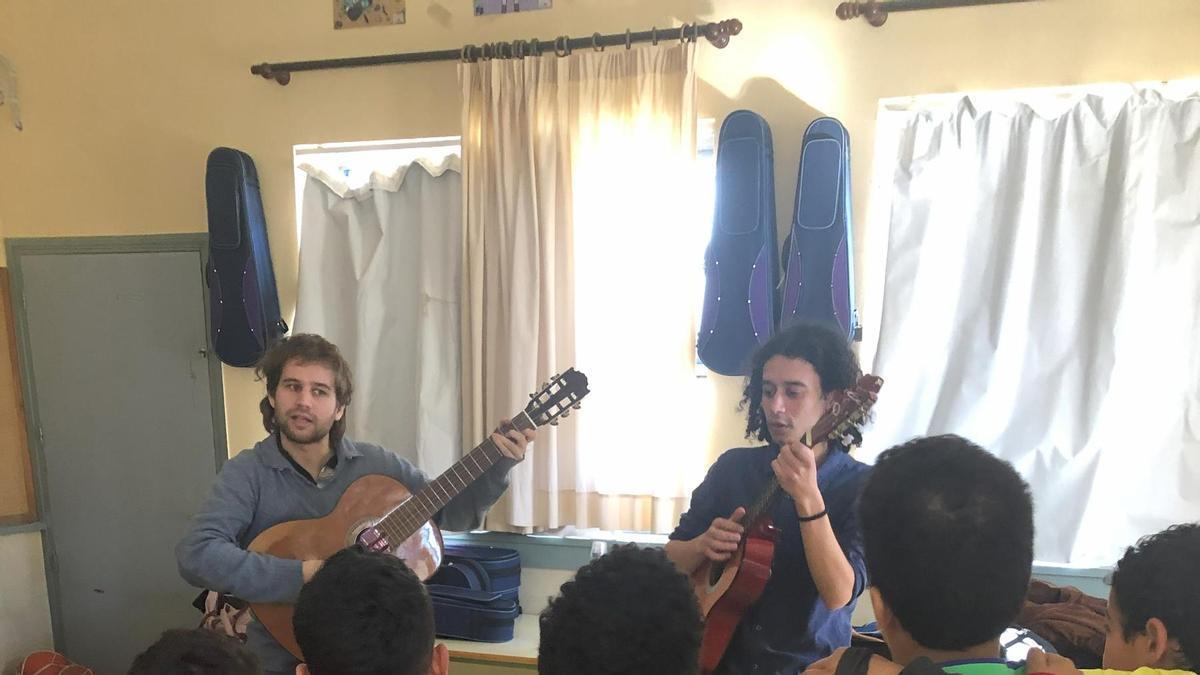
(374, 540)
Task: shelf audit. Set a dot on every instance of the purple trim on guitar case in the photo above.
(791, 292)
(760, 296)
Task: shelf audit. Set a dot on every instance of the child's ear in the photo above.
(1158, 643)
(883, 613)
(441, 660)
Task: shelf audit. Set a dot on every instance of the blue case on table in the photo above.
(475, 593)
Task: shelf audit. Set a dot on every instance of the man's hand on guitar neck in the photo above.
(796, 469)
(512, 443)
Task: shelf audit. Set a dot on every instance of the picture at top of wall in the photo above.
(366, 13)
(509, 6)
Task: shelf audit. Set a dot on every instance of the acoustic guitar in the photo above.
(381, 514)
(727, 589)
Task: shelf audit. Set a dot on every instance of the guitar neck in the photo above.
(421, 507)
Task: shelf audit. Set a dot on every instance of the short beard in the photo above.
(318, 433)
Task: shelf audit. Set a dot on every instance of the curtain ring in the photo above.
(654, 36)
(683, 34)
(535, 47)
(628, 39)
(518, 49)
(562, 46)
(695, 32)
(596, 46)
(466, 54)
(485, 51)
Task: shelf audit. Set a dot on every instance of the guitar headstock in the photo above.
(557, 398)
(846, 408)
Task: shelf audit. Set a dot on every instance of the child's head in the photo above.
(365, 612)
(1154, 605)
(948, 533)
(195, 652)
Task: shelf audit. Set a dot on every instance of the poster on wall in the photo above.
(367, 13)
(509, 6)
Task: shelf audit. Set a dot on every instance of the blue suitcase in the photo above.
(466, 614)
(741, 263)
(818, 281)
(475, 593)
(243, 301)
(484, 568)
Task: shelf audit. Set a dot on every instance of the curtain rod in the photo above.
(718, 33)
(876, 12)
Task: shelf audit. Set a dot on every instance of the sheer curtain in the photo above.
(380, 275)
(1040, 298)
(576, 175)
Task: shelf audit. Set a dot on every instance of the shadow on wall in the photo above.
(787, 116)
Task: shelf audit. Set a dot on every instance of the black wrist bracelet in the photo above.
(815, 516)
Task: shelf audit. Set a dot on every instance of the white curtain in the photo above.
(1041, 288)
(380, 276)
(576, 185)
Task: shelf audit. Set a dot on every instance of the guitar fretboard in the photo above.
(410, 516)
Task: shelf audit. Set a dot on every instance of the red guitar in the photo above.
(727, 589)
(381, 514)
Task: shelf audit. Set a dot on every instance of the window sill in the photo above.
(552, 551)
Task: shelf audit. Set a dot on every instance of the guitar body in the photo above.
(366, 501)
(724, 601)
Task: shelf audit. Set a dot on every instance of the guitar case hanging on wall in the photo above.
(740, 265)
(243, 300)
(818, 284)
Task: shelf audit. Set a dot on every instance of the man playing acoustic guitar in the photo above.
(300, 471)
(818, 570)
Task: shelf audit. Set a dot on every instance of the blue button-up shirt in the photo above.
(789, 627)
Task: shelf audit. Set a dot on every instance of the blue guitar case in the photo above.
(475, 593)
(818, 282)
(740, 265)
(243, 301)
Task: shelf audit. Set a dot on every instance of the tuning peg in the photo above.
(577, 406)
(533, 396)
(566, 414)
(554, 423)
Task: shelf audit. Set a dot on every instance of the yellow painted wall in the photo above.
(24, 607)
(121, 102)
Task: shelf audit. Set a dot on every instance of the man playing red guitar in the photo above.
(818, 570)
(299, 471)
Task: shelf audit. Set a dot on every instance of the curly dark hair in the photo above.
(629, 612)
(1157, 578)
(947, 532)
(305, 348)
(195, 652)
(817, 343)
(364, 613)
